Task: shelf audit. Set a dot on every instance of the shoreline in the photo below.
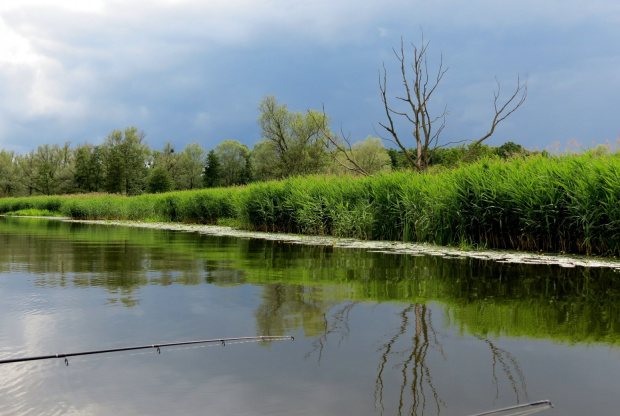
(388, 247)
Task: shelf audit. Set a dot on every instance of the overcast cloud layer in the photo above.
(190, 71)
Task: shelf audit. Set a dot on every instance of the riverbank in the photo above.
(391, 247)
(567, 204)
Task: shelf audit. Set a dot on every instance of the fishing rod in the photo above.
(223, 341)
(522, 409)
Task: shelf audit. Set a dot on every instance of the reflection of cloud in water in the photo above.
(19, 380)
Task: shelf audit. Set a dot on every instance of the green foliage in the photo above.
(212, 170)
(32, 212)
(49, 170)
(562, 204)
(293, 142)
(10, 184)
(265, 161)
(398, 159)
(510, 149)
(450, 157)
(89, 168)
(49, 203)
(370, 154)
(160, 180)
(125, 162)
(166, 159)
(203, 206)
(233, 162)
(190, 165)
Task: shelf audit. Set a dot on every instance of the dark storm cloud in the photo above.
(187, 71)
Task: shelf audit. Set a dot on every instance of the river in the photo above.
(375, 333)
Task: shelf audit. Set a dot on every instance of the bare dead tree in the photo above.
(419, 88)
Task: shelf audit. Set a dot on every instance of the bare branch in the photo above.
(511, 105)
(345, 150)
(388, 111)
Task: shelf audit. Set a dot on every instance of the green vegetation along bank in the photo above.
(569, 203)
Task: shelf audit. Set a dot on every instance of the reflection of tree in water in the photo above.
(338, 326)
(510, 367)
(409, 352)
(416, 375)
(288, 307)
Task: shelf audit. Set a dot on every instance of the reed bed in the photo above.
(566, 203)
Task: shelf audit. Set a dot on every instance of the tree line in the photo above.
(293, 144)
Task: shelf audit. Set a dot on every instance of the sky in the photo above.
(187, 71)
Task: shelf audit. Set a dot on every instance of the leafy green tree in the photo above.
(509, 149)
(370, 156)
(233, 157)
(166, 158)
(246, 175)
(265, 161)
(296, 140)
(212, 170)
(50, 169)
(10, 184)
(125, 160)
(88, 175)
(454, 156)
(398, 159)
(27, 165)
(160, 180)
(190, 165)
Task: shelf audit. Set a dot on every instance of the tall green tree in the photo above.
(49, 170)
(190, 164)
(234, 161)
(10, 184)
(160, 180)
(265, 161)
(296, 140)
(167, 158)
(88, 175)
(27, 165)
(125, 160)
(212, 170)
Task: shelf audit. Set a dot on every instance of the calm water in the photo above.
(375, 333)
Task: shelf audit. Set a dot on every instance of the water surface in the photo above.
(375, 333)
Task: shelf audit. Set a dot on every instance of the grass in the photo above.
(565, 203)
(33, 212)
